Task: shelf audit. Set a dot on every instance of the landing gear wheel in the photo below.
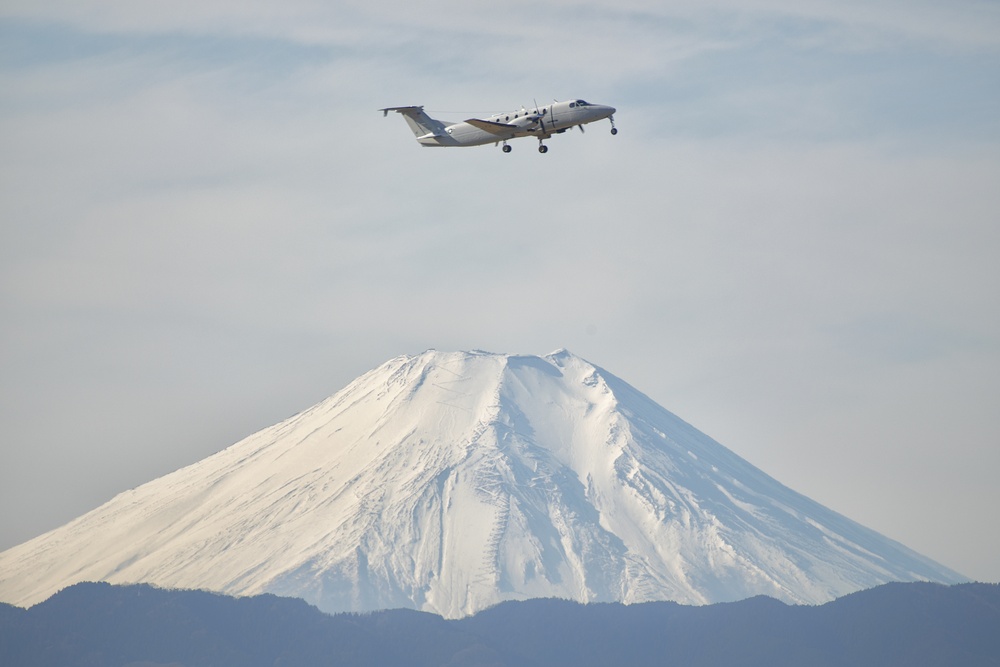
(614, 130)
(542, 148)
(506, 148)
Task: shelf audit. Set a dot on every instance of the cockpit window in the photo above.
(581, 103)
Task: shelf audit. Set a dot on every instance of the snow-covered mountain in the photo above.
(449, 482)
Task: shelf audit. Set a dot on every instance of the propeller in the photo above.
(539, 116)
(530, 121)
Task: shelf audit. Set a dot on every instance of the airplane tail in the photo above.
(427, 130)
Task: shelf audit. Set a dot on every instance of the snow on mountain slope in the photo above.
(448, 482)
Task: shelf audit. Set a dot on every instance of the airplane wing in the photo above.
(491, 127)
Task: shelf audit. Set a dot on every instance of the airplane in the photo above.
(540, 122)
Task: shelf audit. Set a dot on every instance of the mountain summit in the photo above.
(448, 482)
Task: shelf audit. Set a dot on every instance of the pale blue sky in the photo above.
(206, 226)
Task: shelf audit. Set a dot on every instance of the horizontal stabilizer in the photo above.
(402, 110)
(491, 127)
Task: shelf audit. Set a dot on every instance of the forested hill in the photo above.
(139, 626)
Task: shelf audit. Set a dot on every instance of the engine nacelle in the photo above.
(526, 122)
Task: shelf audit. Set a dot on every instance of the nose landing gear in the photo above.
(614, 130)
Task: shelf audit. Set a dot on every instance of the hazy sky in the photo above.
(206, 226)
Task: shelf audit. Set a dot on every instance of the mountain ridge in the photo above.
(888, 626)
(450, 481)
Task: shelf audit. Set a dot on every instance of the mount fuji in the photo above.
(449, 482)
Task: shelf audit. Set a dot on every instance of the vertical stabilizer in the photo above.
(426, 129)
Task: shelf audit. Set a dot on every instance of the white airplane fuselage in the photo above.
(540, 122)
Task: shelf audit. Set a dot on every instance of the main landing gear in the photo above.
(542, 148)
